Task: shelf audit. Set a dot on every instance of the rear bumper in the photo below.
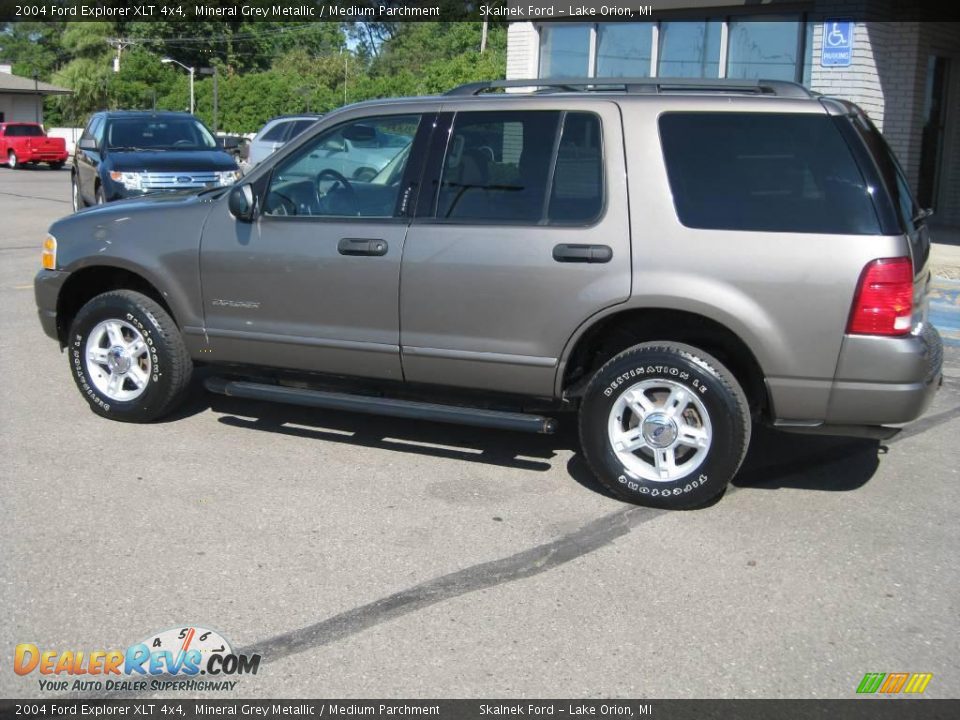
(28, 155)
(882, 381)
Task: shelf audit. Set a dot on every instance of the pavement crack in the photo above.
(528, 563)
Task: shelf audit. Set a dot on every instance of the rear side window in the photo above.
(766, 172)
(522, 167)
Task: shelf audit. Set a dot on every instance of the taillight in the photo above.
(883, 303)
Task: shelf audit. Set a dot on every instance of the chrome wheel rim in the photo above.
(118, 360)
(76, 195)
(659, 430)
(11, 159)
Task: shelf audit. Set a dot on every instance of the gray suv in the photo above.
(672, 261)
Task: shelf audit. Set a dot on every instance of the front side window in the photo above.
(511, 167)
(766, 172)
(624, 49)
(352, 170)
(158, 134)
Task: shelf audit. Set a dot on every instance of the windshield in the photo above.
(159, 134)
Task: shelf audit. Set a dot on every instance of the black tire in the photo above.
(76, 197)
(707, 382)
(170, 364)
(101, 198)
(12, 161)
(56, 165)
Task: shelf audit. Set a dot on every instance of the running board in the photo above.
(382, 406)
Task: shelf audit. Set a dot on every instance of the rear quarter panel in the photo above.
(786, 295)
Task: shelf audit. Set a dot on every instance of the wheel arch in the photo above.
(86, 283)
(610, 334)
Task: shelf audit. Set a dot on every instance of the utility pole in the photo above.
(483, 37)
(36, 104)
(216, 100)
(119, 44)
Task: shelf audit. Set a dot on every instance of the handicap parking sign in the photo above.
(837, 44)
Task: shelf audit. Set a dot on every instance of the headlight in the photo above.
(48, 258)
(228, 177)
(130, 180)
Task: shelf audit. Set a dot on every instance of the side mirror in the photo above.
(228, 143)
(242, 203)
(87, 144)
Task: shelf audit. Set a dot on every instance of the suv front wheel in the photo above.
(664, 424)
(127, 357)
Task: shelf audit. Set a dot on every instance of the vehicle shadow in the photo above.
(775, 460)
(808, 462)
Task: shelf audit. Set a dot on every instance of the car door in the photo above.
(313, 283)
(525, 237)
(88, 161)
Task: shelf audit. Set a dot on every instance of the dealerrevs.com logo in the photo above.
(168, 660)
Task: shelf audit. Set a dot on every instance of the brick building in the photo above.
(904, 73)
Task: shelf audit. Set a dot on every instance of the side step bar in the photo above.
(382, 406)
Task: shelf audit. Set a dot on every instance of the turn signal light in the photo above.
(883, 304)
(48, 258)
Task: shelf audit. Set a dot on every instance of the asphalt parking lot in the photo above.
(364, 557)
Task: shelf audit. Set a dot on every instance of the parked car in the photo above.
(26, 143)
(665, 263)
(276, 133)
(124, 154)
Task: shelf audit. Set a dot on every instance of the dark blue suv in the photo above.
(125, 154)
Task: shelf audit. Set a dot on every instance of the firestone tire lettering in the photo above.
(171, 365)
(701, 374)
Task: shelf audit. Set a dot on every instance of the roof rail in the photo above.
(640, 86)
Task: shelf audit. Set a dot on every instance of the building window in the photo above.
(778, 47)
(564, 50)
(624, 49)
(689, 49)
(763, 49)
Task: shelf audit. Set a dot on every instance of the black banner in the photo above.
(457, 10)
(855, 709)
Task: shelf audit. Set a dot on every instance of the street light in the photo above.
(189, 69)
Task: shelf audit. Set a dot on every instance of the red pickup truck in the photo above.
(27, 143)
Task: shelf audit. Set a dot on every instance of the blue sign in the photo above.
(837, 44)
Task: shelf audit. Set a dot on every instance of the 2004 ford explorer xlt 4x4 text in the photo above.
(673, 261)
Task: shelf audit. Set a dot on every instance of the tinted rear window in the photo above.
(766, 172)
(23, 131)
(277, 132)
(299, 126)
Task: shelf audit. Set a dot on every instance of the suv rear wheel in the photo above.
(664, 424)
(12, 161)
(127, 357)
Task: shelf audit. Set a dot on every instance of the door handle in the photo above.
(583, 253)
(362, 246)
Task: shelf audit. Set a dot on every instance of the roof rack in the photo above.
(642, 86)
